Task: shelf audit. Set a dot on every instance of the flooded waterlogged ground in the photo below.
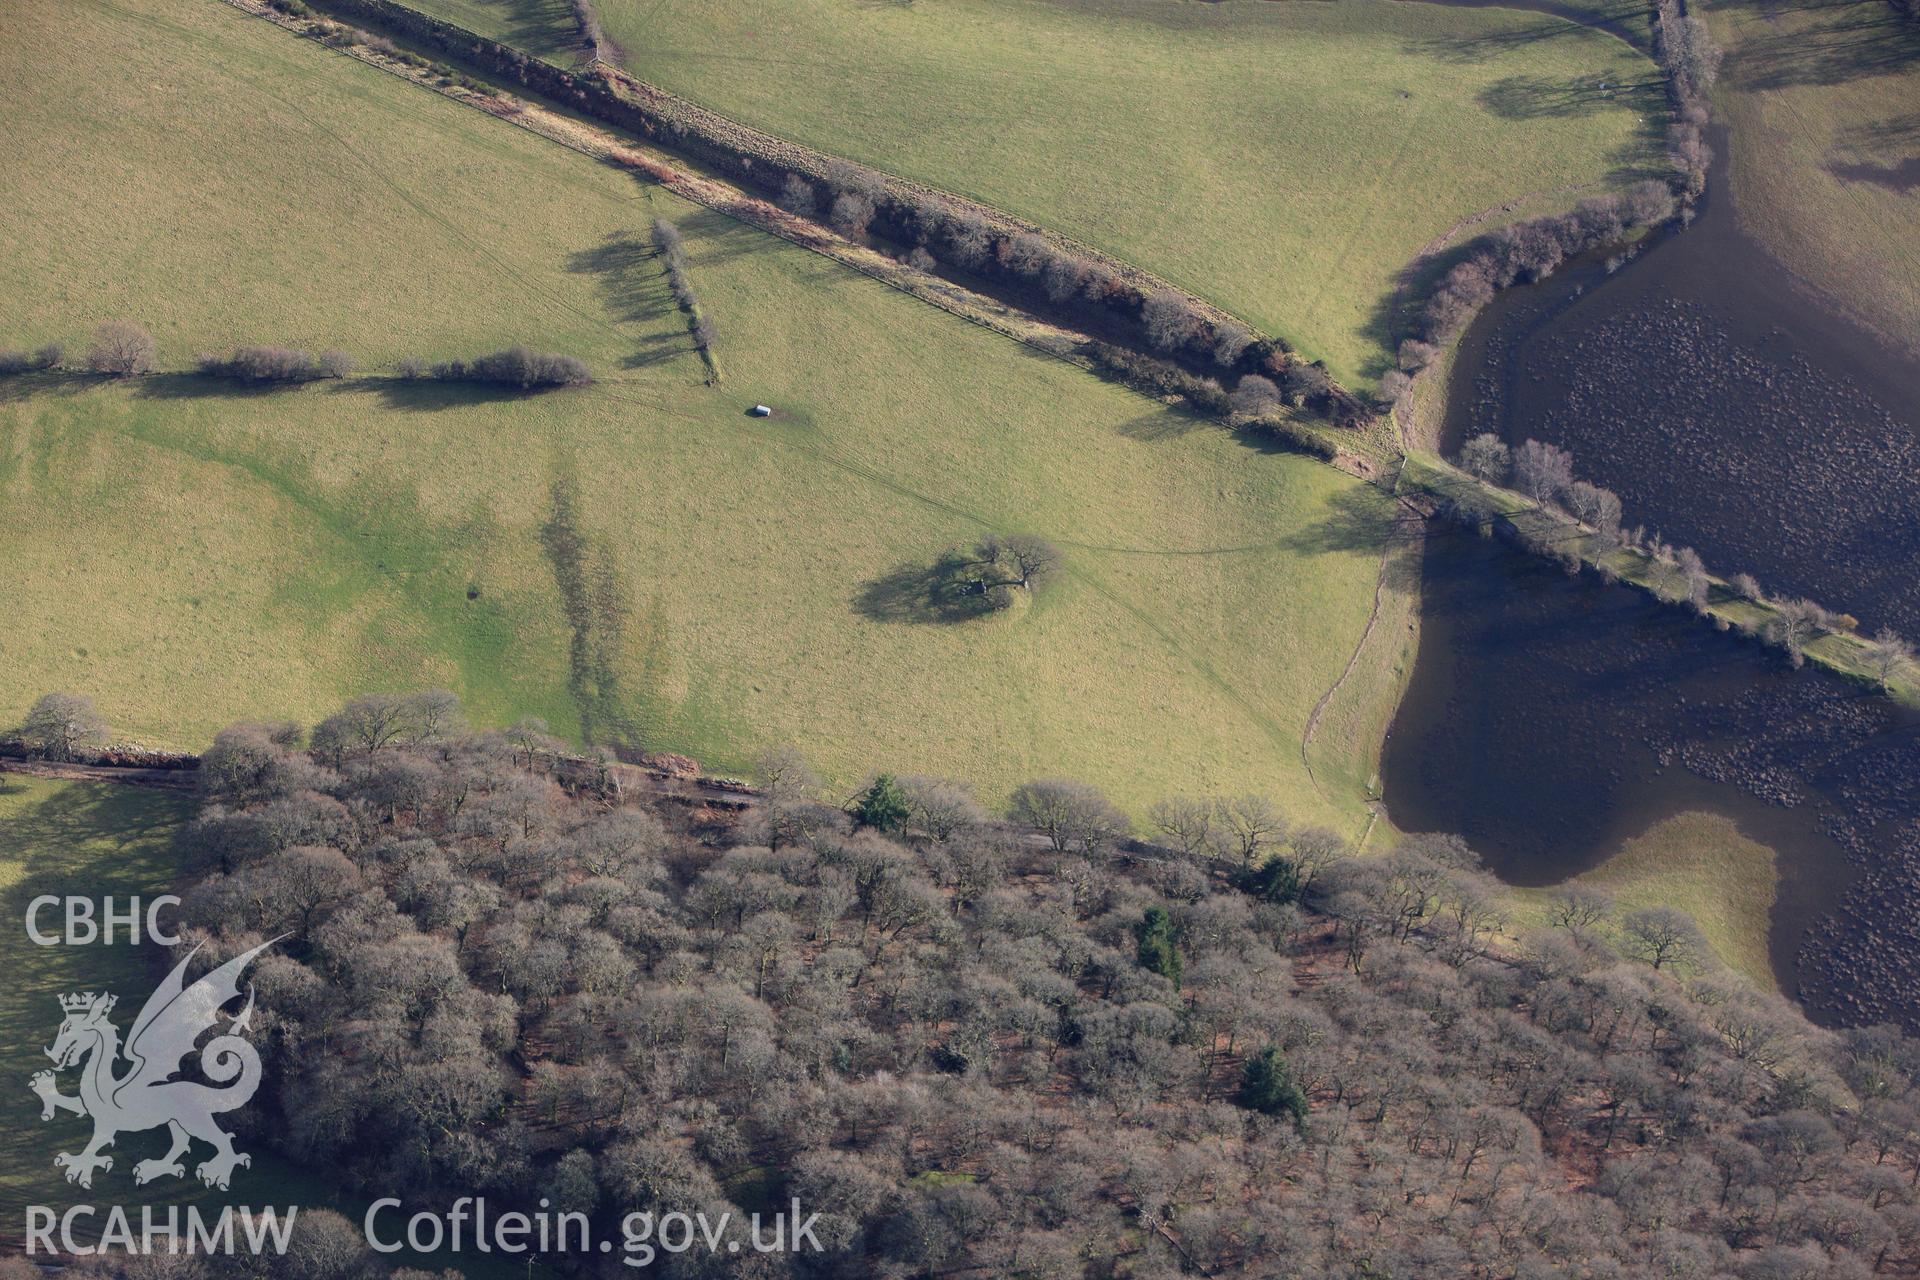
(1550, 719)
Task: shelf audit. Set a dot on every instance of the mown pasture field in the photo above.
(639, 557)
(1284, 160)
(1824, 104)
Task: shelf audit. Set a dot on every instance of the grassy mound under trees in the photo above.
(636, 557)
(1701, 863)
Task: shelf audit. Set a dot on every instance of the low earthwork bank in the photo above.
(1448, 491)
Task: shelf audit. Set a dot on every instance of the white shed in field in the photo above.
(762, 411)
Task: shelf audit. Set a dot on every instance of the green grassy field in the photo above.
(1284, 160)
(1824, 103)
(638, 554)
(542, 27)
(1702, 864)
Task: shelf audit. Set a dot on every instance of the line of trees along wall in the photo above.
(1045, 272)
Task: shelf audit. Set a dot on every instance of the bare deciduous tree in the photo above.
(518, 366)
(798, 196)
(60, 723)
(1020, 559)
(1795, 624)
(940, 807)
(1248, 826)
(1072, 815)
(1578, 907)
(16, 362)
(1595, 506)
(1185, 822)
(1662, 936)
(121, 348)
(1255, 395)
(1230, 342)
(1487, 458)
(852, 212)
(275, 364)
(1890, 656)
(1169, 321)
(1543, 471)
(1693, 582)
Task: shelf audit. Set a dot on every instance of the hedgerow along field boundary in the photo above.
(1354, 452)
(1115, 300)
(1282, 160)
(735, 551)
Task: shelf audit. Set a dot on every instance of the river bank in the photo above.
(1729, 408)
(1552, 722)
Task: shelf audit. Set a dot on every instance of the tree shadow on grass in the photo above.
(630, 277)
(1482, 46)
(1902, 178)
(197, 386)
(50, 382)
(946, 591)
(530, 22)
(1841, 41)
(1169, 423)
(723, 239)
(1252, 436)
(1894, 131)
(632, 282)
(426, 395)
(1879, 152)
(654, 350)
(1356, 521)
(1539, 98)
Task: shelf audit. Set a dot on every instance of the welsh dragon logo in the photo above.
(145, 1095)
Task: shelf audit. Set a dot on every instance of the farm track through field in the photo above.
(613, 144)
(1408, 525)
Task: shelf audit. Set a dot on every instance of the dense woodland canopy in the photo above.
(985, 1048)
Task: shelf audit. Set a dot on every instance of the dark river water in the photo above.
(1726, 403)
(1550, 718)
